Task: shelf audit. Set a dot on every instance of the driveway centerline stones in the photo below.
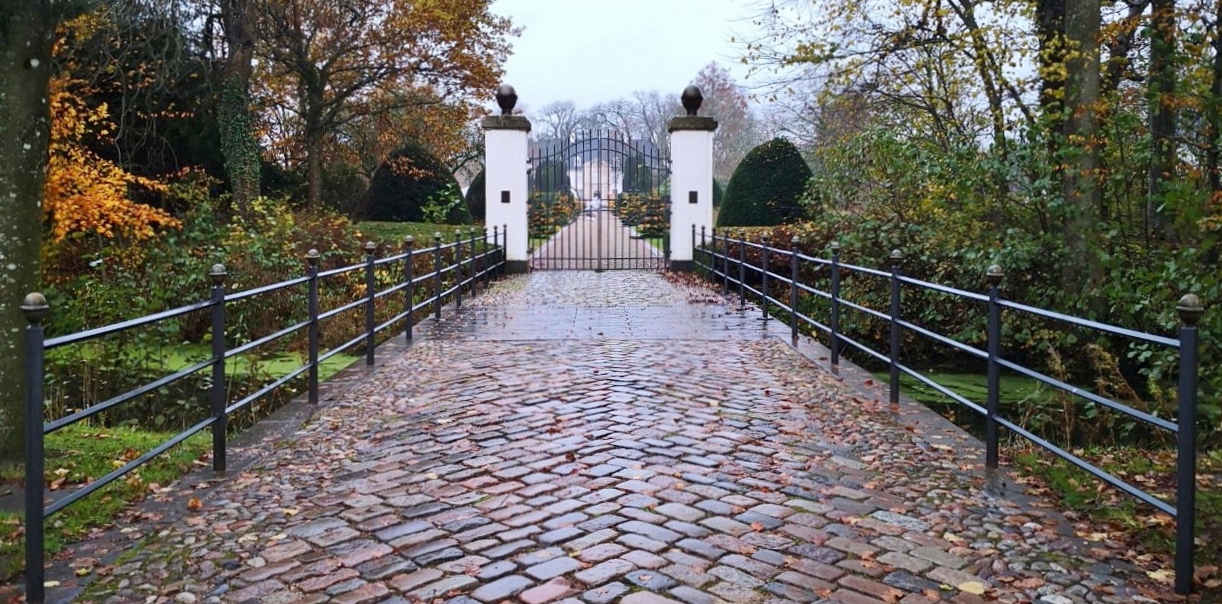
(609, 437)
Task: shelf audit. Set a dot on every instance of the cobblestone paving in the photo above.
(510, 456)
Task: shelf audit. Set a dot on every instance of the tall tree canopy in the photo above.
(328, 63)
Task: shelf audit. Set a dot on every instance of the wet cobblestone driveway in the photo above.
(594, 438)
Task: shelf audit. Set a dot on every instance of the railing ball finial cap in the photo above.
(1190, 308)
(218, 274)
(835, 247)
(409, 240)
(370, 246)
(34, 307)
(994, 274)
(692, 99)
(506, 97)
(312, 256)
(897, 257)
(795, 240)
(437, 235)
(766, 236)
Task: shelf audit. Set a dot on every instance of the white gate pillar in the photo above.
(691, 179)
(505, 184)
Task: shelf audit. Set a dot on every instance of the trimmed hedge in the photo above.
(406, 182)
(718, 194)
(766, 187)
(476, 203)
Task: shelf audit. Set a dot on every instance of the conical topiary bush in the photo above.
(766, 187)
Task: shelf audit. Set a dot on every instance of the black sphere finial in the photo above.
(692, 99)
(506, 97)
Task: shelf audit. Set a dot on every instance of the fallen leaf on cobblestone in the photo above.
(1029, 583)
(194, 503)
(972, 587)
(1162, 575)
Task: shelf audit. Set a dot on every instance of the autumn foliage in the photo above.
(86, 193)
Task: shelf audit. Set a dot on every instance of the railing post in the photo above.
(496, 238)
(994, 277)
(409, 270)
(742, 270)
(312, 387)
(766, 240)
(476, 262)
(834, 320)
(694, 247)
(1190, 310)
(793, 289)
(505, 246)
(371, 290)
(437, 275)
(35, 309)
(487, 260)
(220, 424)
(725, 262)
(897, 258)
(458, 279)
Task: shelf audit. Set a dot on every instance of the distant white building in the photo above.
(598, 177)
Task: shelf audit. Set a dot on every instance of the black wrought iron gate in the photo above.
(599, 202)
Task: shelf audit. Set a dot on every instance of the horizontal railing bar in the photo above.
(237, 350)
(386, 292)
(339, 271)
(819, 261)
(124, 397)
(1091, 396)
(344, 308)
(944, 289)
(266, 289)
(118, 473)
(868, 271)
(955, 396)
(937, 337)
(1104, 327)
(395, 258)
(392, 321)
(818, 325)
(252, 397)
(866, 349)
(816, 292)
(345, 346)
(869, 311)
(90, 334)
(1090, 468)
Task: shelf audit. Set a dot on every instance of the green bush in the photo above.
(550, 212)
(638, 177)
(550, 177)
(476, 203)
(406, 183)
(766, 188)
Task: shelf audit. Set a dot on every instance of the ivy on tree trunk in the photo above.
(238, 144)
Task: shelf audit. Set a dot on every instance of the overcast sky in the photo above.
(593, 51)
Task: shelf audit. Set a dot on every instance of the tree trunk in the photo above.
(1162, 111)
(1081, 271)
(1213, 114)
(26, 34)
(1050, 30)
(238, 143)
(313, 168)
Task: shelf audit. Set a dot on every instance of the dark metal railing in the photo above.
(714, 256)
(473, 258)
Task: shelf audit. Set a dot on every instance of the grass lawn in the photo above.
(392, 233)
(81, 453)
(1151, 469)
